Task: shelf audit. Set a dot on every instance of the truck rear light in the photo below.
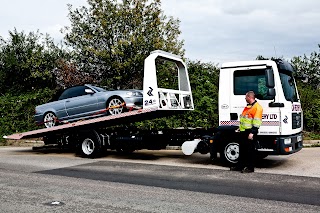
(288, 149)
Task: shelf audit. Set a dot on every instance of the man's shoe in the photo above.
(234, 168)
(247, 170)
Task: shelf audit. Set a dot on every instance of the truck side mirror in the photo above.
(271, 92)
(269, 78)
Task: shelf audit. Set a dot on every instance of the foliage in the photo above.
(16, 112)
(67, 75)
(310, 103)
(311, 135)
(27, 61)
(309, 88)
(204, 79)
(309, 67)
(112, 38)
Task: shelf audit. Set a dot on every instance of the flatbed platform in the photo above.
(157, 102)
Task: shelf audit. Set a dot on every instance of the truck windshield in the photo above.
(288, 85)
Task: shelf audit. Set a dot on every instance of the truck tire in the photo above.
(90, 145)
(230, 153)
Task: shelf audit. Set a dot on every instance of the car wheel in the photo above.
(50, 120)
(115, 106)
(231, 152)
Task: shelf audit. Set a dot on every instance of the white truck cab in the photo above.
(276, 91)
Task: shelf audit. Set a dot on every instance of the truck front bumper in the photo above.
(290, 144)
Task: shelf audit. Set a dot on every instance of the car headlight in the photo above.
(134, 94)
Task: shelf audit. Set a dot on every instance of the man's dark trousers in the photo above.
(247, 151)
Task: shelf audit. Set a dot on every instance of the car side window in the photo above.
(73, 92)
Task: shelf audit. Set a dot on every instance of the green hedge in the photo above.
(17, 111)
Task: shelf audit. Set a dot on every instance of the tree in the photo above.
(111, 38)
(27, 61)
(67, 75)
(309, 88)
(310, 103)
(308, 67)
(204, 80)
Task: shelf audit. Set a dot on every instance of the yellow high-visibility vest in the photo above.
(251, 117)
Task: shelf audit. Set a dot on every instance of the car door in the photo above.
(80, 104)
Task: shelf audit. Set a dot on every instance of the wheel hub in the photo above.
(232, 152)
(88, 146)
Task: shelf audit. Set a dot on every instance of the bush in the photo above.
(17, 111)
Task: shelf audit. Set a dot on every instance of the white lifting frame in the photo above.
(161, 98)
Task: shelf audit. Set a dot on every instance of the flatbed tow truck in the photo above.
(93, 136)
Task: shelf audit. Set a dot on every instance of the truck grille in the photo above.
(296, 120)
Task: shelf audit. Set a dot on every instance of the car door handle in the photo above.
(67, 101)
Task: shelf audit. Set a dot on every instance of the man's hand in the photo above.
(250, 136)
(237, 130)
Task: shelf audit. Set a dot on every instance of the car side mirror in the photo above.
(89, 91)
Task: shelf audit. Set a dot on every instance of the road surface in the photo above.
(154, 181)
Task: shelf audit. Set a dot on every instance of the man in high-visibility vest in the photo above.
(250, 122)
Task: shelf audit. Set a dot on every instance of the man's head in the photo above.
(250, 97)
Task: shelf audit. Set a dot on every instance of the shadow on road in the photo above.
(158, 156)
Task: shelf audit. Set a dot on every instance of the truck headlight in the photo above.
(287, 141)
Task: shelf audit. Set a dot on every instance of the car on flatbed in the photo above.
(86, 101)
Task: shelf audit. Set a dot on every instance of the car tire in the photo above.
(49, 120)
(115, 106)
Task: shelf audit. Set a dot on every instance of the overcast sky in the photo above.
(214, 30)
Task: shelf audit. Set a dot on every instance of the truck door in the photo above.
(254, 79)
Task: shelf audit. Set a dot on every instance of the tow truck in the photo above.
(272, 81)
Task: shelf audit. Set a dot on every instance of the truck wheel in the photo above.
(90, 145)
(231, 152)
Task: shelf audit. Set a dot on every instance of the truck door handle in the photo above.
(233, 116)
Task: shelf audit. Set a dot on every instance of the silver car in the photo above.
(87, 101)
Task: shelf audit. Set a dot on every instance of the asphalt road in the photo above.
(155, 181)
